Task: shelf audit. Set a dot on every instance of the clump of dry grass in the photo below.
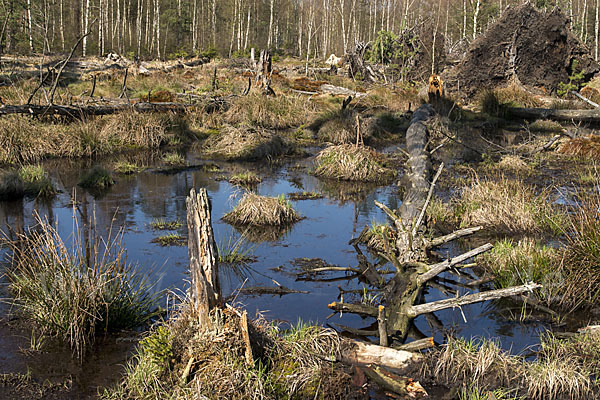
(254, 209)
(279, 112)
(246, 144)
(339, 129)
(506, 206)
(513, 163)
(24, 140)
(182, 360)
(586, 147)
(352, 163)
(562, 369)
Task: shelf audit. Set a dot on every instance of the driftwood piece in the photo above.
(398, 384)
(246, 338)
(381, 323)
(417, 345)
(355, 352)
(205, 288)
(277, 290)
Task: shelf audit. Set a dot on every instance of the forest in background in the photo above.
(307, 28)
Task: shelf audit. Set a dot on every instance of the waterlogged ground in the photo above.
(329, 223)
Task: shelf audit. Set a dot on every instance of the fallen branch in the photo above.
(420, 309)
(452, 236)
(437, 269)
(355, 352)
(395, 383)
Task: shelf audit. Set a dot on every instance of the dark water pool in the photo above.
(329, 223)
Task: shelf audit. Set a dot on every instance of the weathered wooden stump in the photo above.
(205, 288)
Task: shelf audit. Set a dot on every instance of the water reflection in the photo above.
(329, 223)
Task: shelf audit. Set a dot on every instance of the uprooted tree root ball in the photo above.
(183, 360)
(257, 210)
(353, 163)
(246, 143)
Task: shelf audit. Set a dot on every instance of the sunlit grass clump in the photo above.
(518, 263)
(170, 239)
(127, 168)
(247, 178)
(75, 292)
(585, 147)
(254, 209)
(160, 224)
(246, 143)
(563, 369)
(352, 163)
(173, 159)
(507, 206)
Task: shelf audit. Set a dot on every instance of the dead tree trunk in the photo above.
(264, 69)
(408, 252)
(205, 289)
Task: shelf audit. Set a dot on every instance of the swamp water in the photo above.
(329, 223)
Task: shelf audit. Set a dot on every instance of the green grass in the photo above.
(96, 178)
(171, 239)
(77, 291)
(37, 182)
(161, 224)
(518, 263)
(235, 251)
(173, 159)
(247, 178)
(127, 168)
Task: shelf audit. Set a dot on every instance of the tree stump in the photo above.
(264, 70)
(205, 288)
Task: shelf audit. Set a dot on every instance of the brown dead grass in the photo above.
(352, 163)
(586, 147)
(23, 140)
(506, 206)
(257, 210)
(246, 143)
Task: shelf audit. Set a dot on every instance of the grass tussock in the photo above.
(563, 369)
(279, 112)
(30, 180)
(170, 239)
(247, 179)
(352, 163)
(127, 168)
(518, 263)
(506, 206)
(161, 224)
(257, 210)
(182, 360)
(24, 140)
(75, 292)
(96, 178)
(586, 147)
(514, 164)
(246, 144)
(581, 255)
(173, 159)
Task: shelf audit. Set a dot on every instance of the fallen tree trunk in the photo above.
(556, 115)
(355, 352)
(79, 112)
